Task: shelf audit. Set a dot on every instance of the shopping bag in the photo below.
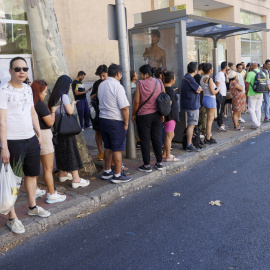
(9, 187)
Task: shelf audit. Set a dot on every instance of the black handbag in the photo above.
(66, 124)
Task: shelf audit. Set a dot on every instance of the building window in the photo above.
(14, 30)
(251, 44)
(163, 3)
(199, 12)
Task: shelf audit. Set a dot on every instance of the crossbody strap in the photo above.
(149, 97)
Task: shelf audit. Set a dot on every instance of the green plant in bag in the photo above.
(18, 168)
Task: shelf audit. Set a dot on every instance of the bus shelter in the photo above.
(171, 27)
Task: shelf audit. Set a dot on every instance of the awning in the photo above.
(197, 26)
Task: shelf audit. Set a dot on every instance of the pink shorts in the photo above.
(169, 126)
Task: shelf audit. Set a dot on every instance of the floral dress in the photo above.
(238, 98)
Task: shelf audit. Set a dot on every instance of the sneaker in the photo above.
(211, 141)
(55, 198)
(123, 167)
(40, 192)
(159, 167)
(266, 120)
(87, 127)
(145, 169)
(202, 137)
(82, 129)
(225, 116)
(192, 148)
(138, 146)
(241, 120)
(222, 128)
(65, 178)
(106, 176)
(100, 157)
(16, 226)
(38, 211)
(121, 179)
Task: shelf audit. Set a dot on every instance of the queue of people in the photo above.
(26, 120)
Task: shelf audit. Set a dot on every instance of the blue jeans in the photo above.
(266, 104)
(83, 112)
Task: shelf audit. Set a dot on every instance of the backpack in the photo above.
(196, 140)
(164, 104)
(260, 82)
(94, 112)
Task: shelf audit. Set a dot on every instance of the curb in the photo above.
(82, 205)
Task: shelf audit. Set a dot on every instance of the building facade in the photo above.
(84, 31)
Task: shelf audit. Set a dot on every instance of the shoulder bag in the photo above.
(66, 124)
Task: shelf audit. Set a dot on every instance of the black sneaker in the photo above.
(106, 176)
(159, 167)
(211, 141)
(144, 169)
(192, 148)
(121, 179)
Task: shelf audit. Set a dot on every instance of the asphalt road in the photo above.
(156, 228)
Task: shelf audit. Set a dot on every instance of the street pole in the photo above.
(125, 64)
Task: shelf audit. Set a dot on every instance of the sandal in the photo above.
(82, 183)
(172, 159)
(239, 128)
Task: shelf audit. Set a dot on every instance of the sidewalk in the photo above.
(83, 201)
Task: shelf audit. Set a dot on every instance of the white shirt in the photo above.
(112, 98)
(18, 102)
(241, 81)
(220, 77)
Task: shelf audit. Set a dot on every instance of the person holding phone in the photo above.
(66, 151)
(80, 92)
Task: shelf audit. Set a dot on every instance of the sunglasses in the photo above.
(18, 69)
(42, 82)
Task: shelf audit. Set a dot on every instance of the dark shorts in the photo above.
(113, 134)
(229, 101)
(29, 151)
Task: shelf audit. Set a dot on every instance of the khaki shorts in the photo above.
(47, 144)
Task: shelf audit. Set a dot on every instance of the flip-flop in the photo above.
(172, 159)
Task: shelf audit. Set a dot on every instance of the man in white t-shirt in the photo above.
(113, 123)
(18, 124)
(221, 84)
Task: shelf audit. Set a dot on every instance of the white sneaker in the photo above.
(241, 120)
(225, 116)
(38, 211)
(222, 128)
(55, 198)
(40, 192)
(202, 137)
(16, 226)
(65, 178)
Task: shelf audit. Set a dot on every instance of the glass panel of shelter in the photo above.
(155, 46)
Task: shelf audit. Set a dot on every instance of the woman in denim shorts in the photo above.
(209, 100)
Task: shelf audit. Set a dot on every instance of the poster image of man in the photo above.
(154, 54)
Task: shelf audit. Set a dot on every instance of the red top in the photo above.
(146, 88)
